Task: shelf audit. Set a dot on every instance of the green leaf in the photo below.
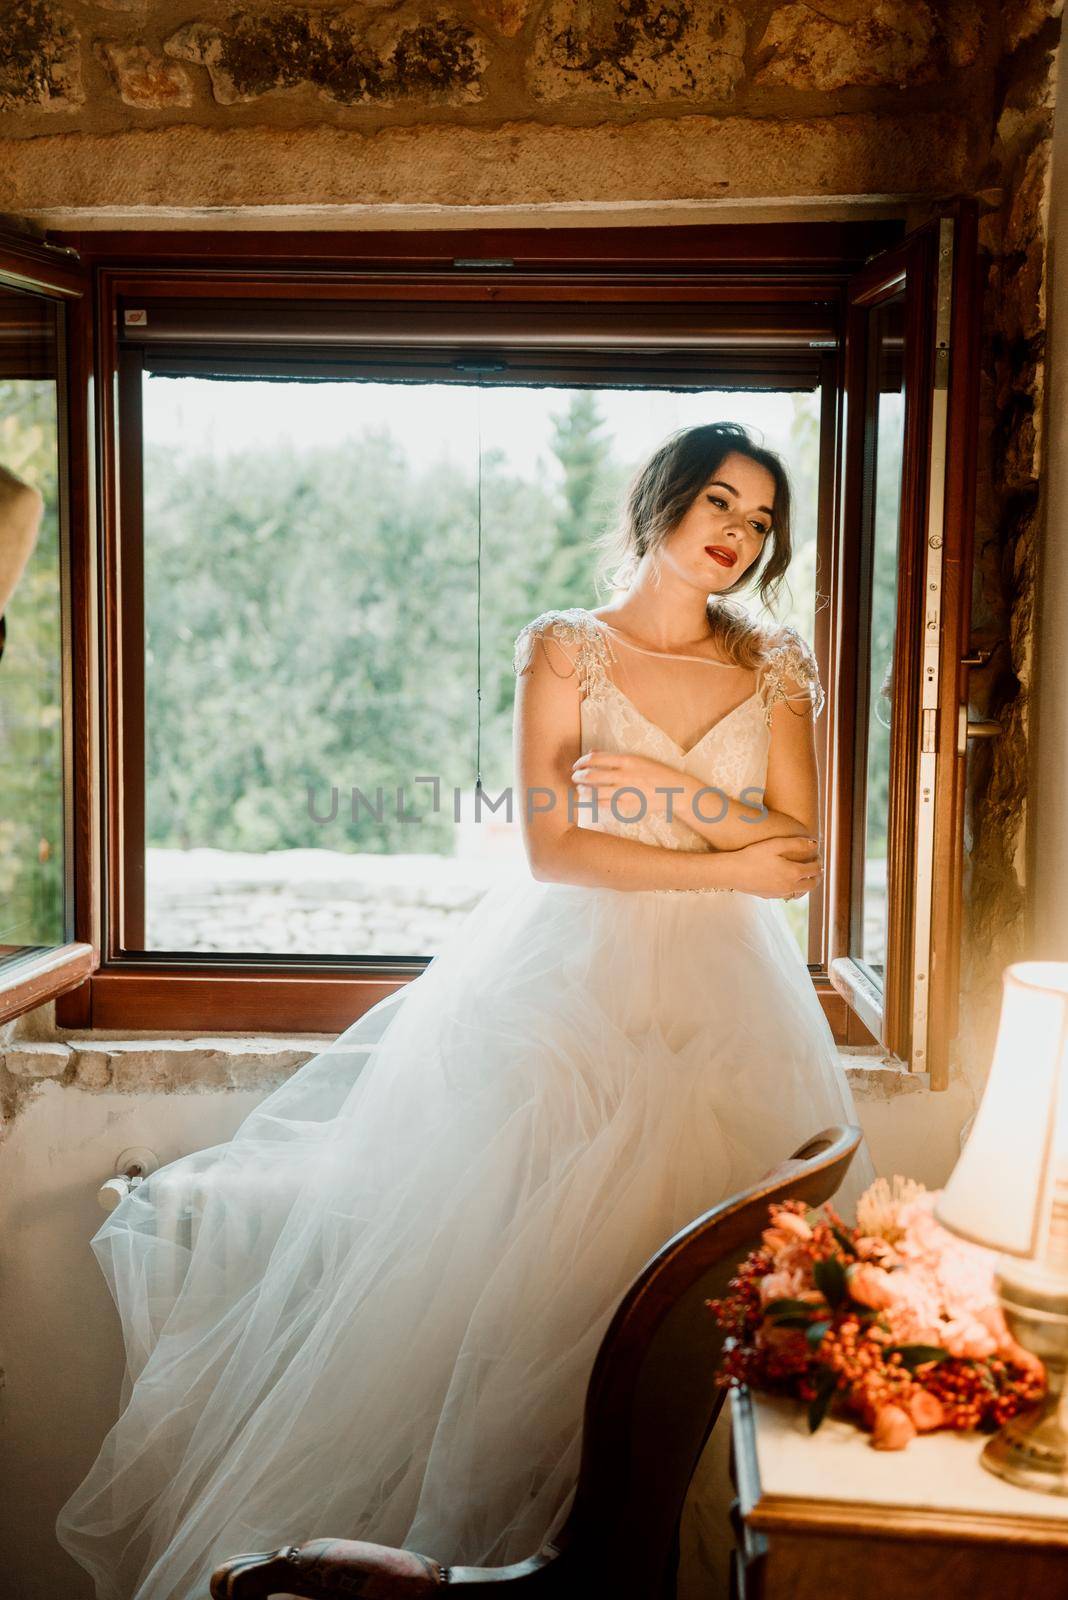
(830, 1280)
(846, 1243)
(791, 1305)
(791, 1319)
(917, 1355)
(815, 1333)
(817, 1409)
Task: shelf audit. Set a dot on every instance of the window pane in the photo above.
(311, 598)
(886, 334)
(32, 912)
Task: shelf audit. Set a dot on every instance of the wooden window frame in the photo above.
(915, 1013)
(55, 273)
(785, 265)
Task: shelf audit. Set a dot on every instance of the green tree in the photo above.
(31, 688)
(583, 455)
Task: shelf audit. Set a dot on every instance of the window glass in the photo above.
(311, 582)
(32, 907)
(888, 440)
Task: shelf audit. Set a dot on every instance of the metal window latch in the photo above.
(987, 729)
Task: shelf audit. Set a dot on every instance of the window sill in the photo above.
(154, 1065)
(862, 997)
(43, 976)
(144, 1064)
(876, 1074)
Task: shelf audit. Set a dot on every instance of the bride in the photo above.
(373, 1312)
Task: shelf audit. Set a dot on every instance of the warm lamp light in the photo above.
(1009, 1191)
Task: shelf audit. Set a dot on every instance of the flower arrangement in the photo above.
(896, 1319)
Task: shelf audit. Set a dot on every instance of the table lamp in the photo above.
(1009, 1191)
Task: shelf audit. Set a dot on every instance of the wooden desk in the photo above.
(825, 1517)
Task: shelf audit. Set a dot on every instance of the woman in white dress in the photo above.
(401, 1265)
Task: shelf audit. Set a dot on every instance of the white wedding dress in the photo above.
(401, 1265)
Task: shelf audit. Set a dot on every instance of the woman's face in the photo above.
(731, 517)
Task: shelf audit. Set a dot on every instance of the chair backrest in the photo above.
(651, 1401)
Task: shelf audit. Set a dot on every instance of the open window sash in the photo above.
(49, 942)
(903, 561)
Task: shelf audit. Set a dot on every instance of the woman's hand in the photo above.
(779, 869)
(601, 772)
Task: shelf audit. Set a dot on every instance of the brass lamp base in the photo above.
(1031, 1449)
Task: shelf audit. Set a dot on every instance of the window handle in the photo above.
(987, 729)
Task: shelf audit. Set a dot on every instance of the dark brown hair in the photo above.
(658, 497)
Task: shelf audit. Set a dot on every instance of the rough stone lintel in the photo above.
(526, 164)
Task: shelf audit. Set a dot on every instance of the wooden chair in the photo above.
(650, 1407)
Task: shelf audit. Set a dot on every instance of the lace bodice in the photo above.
(732, 755)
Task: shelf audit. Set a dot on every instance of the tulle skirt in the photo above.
(374, 1311)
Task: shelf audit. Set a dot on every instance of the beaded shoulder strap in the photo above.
(790, 659)
(571, 626)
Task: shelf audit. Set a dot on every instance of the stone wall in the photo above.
(1013, 238)
(176, 109)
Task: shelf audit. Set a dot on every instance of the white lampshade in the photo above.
(1001, 1192)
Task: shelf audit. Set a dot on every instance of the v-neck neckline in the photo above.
(684, 750)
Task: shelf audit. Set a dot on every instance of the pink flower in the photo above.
(893, 1428)
(790, 1223)
(871, 1248)
(781, 1285)
(870, 1285)
(965, 1338)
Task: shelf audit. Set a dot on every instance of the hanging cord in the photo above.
(478, 598)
